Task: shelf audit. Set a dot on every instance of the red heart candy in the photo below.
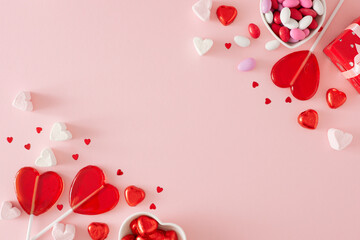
(255, 84)
(129, 237)
(119, 172)
(75, 156)
(267, 101)
(335, 98)
(9, 139)
(284, 73)
(170, 235)
(49, 187)
(98, 231)
(159, 189)
(146, 225)
(228, 45)
(133, 227)
(27, 146)
(134, 195)
(308, 119)
(90, 183)
(152, 206)
(60, 207)
(157, 235)
(226, 14)
(288, 100)
(38, 129)
(87, 141)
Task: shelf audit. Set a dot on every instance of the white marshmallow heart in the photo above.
(59, 132)
(9, 212)
(202, 9)
(47, 158)
(338, 139)
(63, 232)
(242, 41)
(202, 46)
(23, 102)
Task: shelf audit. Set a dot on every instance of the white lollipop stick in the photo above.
(29, 226)
(32, 209)
(67, 213)
(331, 18)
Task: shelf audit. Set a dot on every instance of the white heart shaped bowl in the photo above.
(319, 19)
(125, 227)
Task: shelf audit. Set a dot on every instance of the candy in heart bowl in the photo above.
(297, 21)
(145, 222)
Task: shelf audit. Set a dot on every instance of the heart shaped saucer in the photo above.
(125, 227)
(319, 19)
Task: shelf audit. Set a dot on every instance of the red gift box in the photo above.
(344, 52)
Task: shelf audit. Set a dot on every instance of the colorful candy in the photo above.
(308, 119)
(242, 41)
(226, 14)
(247, 65)
(134, 195)
(254, 30)
(297, 34)
(272, 45)
(98, 231)
(305, 22)
(335, 98)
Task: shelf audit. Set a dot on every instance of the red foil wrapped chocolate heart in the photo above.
(98, 231)
(134, 195)
(37, 193)
(146, 225)
(90, 195)
(308, 119)
(335, 98)
(226, 14)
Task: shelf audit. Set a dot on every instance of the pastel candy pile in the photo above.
(292, 20)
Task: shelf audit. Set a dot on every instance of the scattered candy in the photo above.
(47, 158)
(242, 41)
(63, 232)
(87, 141)
(9, 139)
(119, 172)
(59, 132)
(202, 9)
(228, 45)
(39, 129)
(60, 207)
(23, 101)
(75, 156)
(152, 206)
(226, 14)
(335, 98)
(98, 231)
(247, 65)
(8, 212)
(134, 195)
(338, 139)
(202, 46)
(267, 101)
(254, 30)
(272, 45)
(27, 146)
(48, 185)
(255, 84)
(308, 119)
(288, 100)
(159, 189)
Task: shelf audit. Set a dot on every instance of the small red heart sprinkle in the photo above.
(308, 119)
(255, 84)
(228, 45)
(39, 129)
(60, 207)
(75, 156)
(9, 139)
(27, 146)
(87, 141)
(152, 206)
(159, 189)
(288, 100)
(267, 101)
(119, 172)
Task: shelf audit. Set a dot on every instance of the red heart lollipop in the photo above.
(90, 195)
(308, 119)
(37, 193)
(299, 73)
(335, 98)
(98, 231)
(226, 14)
(134, 195)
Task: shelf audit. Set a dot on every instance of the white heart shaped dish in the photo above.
(125, 227)
(319, 19)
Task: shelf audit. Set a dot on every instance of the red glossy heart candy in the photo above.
(141, 238)
(98, 231)
(171, 235)
(157, 235)
(134, 195)
(146, 225)
(129, 237)
(90, 195)
(226, 14)
(308, 119)
(37, 193)
(335, 98)
(133, 227)
(299, 71)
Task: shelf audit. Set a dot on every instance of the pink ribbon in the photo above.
(355, 71)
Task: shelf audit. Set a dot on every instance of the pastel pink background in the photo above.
(126, 75)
